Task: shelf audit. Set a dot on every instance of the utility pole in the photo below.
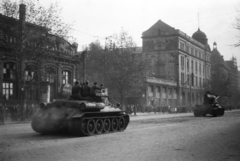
(192, 82)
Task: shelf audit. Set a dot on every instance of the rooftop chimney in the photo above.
(22, 12)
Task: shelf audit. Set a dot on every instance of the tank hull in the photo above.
(79, 118)
(203, 110)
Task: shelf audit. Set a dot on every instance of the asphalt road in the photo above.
(147, 138)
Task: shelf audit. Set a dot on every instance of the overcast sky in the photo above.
(97, 19)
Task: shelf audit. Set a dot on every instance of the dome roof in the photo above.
(200, 36)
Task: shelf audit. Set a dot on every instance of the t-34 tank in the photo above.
(79, 117)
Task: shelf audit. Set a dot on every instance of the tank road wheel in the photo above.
(91, 127)
(106, 125)
(114, 124)
(99, 126)
(121, 124)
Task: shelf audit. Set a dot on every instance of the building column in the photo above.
(59, 78)
(74, 75)
(1, 78)
(167, 96)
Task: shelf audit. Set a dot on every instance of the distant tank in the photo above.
(213, 109)
(79, 117)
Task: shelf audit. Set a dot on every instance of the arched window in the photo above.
(66, 77)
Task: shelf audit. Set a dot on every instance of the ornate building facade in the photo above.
(35, 79)
(180, 66)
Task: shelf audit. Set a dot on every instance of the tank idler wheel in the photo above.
(91, 127)
(106, 125)
(99, 126)
(121, 124)
(114, 124)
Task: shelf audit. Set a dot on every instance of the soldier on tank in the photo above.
(86, 89)
(76, 91)
(209, 99)
(101, 86)
(93, 89)
(93, 94)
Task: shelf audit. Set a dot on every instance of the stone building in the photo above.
(233, 82)
(35, 79)
(181, 68)
(220, 73)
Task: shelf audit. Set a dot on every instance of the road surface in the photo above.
(162, 137)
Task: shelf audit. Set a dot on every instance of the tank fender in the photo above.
(78, 115)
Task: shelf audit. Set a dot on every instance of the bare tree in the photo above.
(236, 24)
(31, 31)
(126, 68)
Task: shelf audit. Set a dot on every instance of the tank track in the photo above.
(88, 126)
(214, 112)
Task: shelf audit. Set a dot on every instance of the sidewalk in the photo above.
(9, 121)
(143, 116)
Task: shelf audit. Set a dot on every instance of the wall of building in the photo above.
(180, 67)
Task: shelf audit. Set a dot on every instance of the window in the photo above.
(182, 62)
(196, 67)
(192, 78)
(157, 92)
(200, 68)
(7, 90)
(192, 51)
(200, 82)
(66, 77)
(29, 75)
(187, 49)
(169, 93)
(49, 75)
(204, 70)
(182, 46)
(150, 91)
(182, 79)
(196, 81)
(188, 65)
(164, 91)
(9, 71)
(31, 92)
(192, 65)
(188, 79)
